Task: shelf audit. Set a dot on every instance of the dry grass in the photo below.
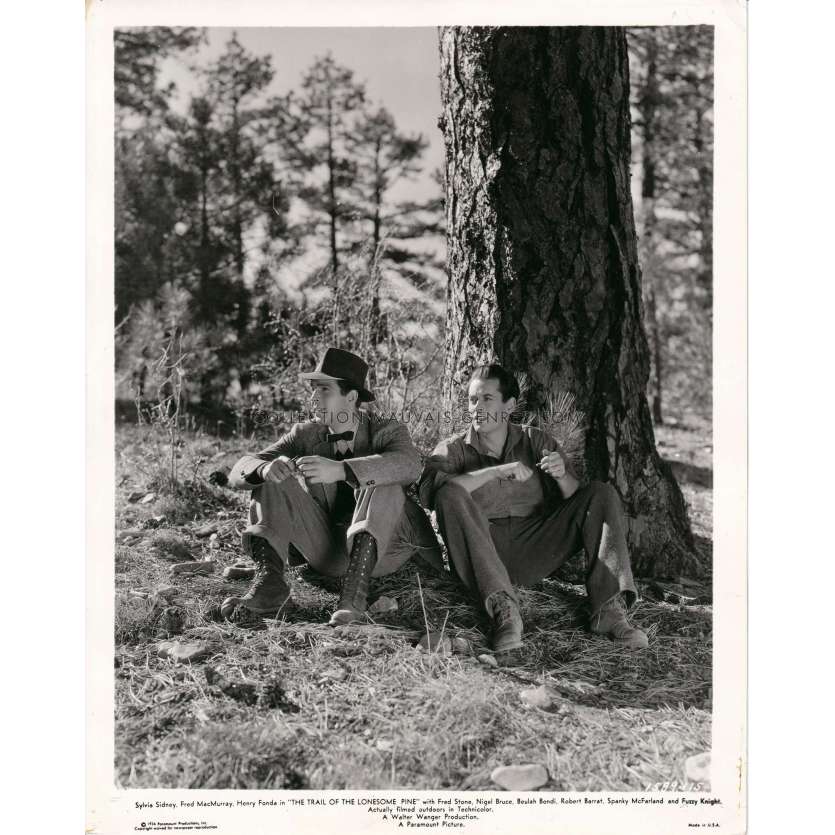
(362, 707)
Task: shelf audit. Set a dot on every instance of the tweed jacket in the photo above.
(383, 450)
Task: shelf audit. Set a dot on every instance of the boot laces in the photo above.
(614, 611)
(502, 610)
(259, 581)
(357, 565)
(260, 551)
(616, 604)
(261, 574)
(355, 581)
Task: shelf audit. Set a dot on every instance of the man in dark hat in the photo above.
(330, 492)
(511, 510)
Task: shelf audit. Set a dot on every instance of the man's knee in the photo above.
(274, 488)
(273, 501)
(450, 495)
(384, 489)
(604, 492)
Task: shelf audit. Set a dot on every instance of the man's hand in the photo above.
(278, 470)
(515, 471)
(553, 464)
(319, 470)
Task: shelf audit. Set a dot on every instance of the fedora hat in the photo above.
(337, 364)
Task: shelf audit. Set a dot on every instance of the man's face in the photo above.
(331, 407)
(489, 411)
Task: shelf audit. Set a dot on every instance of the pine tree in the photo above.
(200, 185)
(229, 182)
(145, 202)
(326, 112)
(383, 158)
(138, 53)
(145, 213)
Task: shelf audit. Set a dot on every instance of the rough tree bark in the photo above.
(542, 252)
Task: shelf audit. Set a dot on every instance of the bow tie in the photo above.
(340, 436)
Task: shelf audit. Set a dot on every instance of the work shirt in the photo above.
(498, 498)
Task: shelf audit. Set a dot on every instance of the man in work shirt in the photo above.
(331, 492)
(511, 510)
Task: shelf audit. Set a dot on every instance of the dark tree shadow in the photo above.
(691, 473)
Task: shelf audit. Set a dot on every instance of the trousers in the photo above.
(491, 555)
(285, 514)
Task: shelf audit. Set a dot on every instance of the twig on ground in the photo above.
(422, 605)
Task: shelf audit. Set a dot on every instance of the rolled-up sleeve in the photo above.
(445, 462)
(546, 442)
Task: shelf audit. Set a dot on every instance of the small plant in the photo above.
(134, 619)
(560, 417)
(169, 545)
(165, 412)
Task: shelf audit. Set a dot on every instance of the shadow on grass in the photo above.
(704, 545)
(691, 473)
(559, 650)
(368, 709)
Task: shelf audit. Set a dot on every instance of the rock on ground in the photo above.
(435, 642)
(697, 768)
(333, 674)
(183, 652)
(201, 567)
(461, 646)
(239, 572)
(207, 530)
(382, 605)
(520, 778)
(130, 533)
(536, 697)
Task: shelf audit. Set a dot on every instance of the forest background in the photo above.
(262, 216)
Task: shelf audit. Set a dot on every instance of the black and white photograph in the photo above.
(413, 416)
(413, 341)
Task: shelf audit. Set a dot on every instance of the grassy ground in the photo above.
(291, 703)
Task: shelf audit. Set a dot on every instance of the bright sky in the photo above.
(399, 67)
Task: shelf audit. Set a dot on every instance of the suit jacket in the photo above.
(383, 450)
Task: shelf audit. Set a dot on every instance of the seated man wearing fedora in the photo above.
(511, 510)
(330, 492)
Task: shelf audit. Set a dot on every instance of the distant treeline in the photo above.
(259, 227)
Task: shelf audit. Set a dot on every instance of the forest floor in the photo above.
(291, 703)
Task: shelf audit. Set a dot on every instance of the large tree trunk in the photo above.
(542, 252)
